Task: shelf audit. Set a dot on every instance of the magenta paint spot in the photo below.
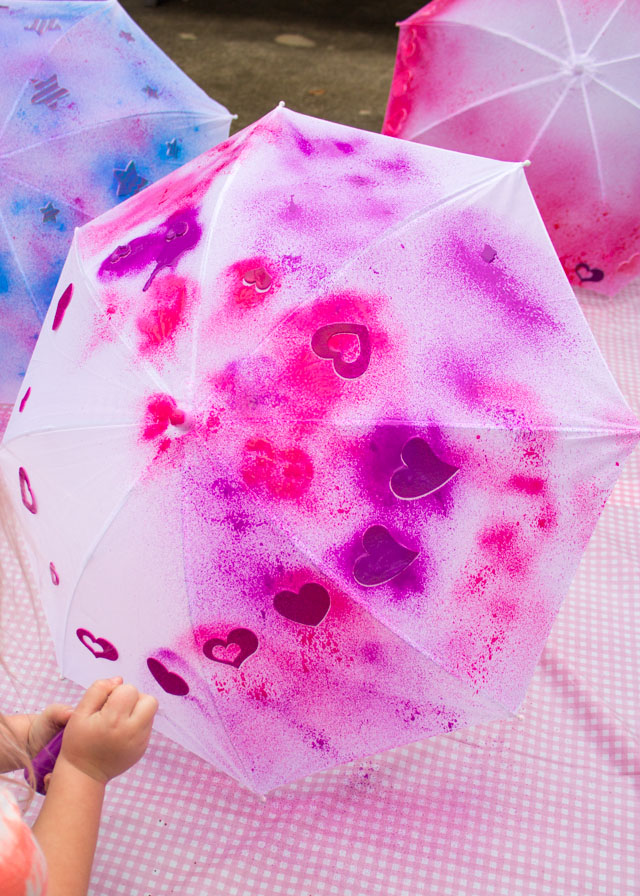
(162, 410)
(308, 607)
(170, 682)
(180, 233)
(159, 324)
(53, 572)
(26, 492)
(240, 644)
(347, 369)
(63, 304)
(25, 398)
(531, 485)
(422, 472)
(99, 647)
(587, 274)
(283, 472)
(305, 146)
(385, 558)
(346, 148)
(488, 254)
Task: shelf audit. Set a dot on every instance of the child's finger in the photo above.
(145, 709)
(59, 713)
(95, 697)
(122, 701)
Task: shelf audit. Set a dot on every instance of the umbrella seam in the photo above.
(616, 92)
(206, 252)
(38, 310)
(594, 141)
(146, 367)
(604, 28)
(512, 168)
(548, 120)
(518, 88)
(44, 193)
(510, 37)
(488, 701)
(107, 121)
(565, 24)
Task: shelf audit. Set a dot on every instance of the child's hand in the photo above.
(44, 726)
(109, 730)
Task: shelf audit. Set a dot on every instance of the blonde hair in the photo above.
(9, 535)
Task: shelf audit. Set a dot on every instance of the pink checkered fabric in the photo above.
(545, 804)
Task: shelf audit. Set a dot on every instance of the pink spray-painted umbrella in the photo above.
(311, 444)
(555, 81)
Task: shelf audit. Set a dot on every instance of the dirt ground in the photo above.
(325, 58)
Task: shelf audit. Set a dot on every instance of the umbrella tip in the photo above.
(281, 104)
(526, 163)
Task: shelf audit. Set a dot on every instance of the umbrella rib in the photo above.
(149, 369)
(107, 121)
(620, 59)
(203, 265)
(394, 228)
(617, 93)
(510, 37)
(26, 183)
(547, 121)
(565, 23)
(12, 250)
(499, 94)
(604, 28)
(596, 148)
(486, 700)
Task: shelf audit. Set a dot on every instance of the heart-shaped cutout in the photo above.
(308, 607)
(385, 558)
(588, 274)
(170, 682)
(259, 278)
(99, 647)
(63, 304)
(422, 472)
(26, 492)
(243, 644)
(347, 369)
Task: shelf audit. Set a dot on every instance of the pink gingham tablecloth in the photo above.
(546, 804)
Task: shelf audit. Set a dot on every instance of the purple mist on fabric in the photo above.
(165, 246)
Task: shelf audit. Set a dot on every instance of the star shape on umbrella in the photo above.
(126, 35)
(129, 181)
(49, 212)
(151, 92)
(173, 148)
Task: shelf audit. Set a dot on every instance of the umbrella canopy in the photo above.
(91, 110)
(311, 444)
(554, 82)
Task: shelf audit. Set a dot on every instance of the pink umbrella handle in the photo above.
(45, 760)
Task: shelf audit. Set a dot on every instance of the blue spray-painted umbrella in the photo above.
(91, 110)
